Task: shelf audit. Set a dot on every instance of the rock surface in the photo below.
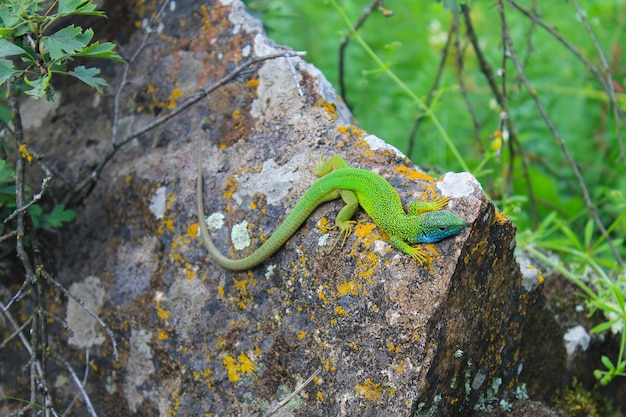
(382, 335)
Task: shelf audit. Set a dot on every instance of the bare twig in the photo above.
(129, 63)
(84, 306)
(83, 383)
(44, 186)
(76, 380)
(618, 112)
(610, 89)
(431, 93)
(36, 368)
(459, 51)
(294, 393)
(505, 120)
(344, 43)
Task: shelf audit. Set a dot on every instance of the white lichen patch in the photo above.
(138, 368)
(215, 221)
(84, 327)
(240, 236)
(377, 143)
(157, 203)
(274, 181)
(458, 185)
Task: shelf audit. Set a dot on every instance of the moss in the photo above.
(576, 401)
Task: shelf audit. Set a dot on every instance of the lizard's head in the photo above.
(437, 225)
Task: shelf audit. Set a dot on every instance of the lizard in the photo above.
(426, 222)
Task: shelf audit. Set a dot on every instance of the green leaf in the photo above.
(64, 43)
(6, 70)
(39, 87)
(9, 48)
(588, 233)
(78, 7)
(602, 327)
(7, 173)
(104, 51)
(607, 362)
(58, 216)
(619, 296)
(69, 6)
(88, 76)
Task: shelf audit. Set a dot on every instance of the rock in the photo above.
(382, 335)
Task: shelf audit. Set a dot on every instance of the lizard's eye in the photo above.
(442, 228)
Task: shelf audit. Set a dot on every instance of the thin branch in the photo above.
(34, 363)
(44, 186)
(487, 71)
(129, 63)
(83, 383)
(618, 112)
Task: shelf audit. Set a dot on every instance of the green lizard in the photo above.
(425, 223)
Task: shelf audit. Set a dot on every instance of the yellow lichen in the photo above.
(231, 186)
(238, 367)
(400, 366)
(252, 83)
(373, 391)
(330, 108)
(25, 154)
(413, 174)
(176, 93)
(350, 287)
(341, 311)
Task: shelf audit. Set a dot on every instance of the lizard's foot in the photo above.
(319, 165)
(418, 255)
(345, 230)
(419, 207)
